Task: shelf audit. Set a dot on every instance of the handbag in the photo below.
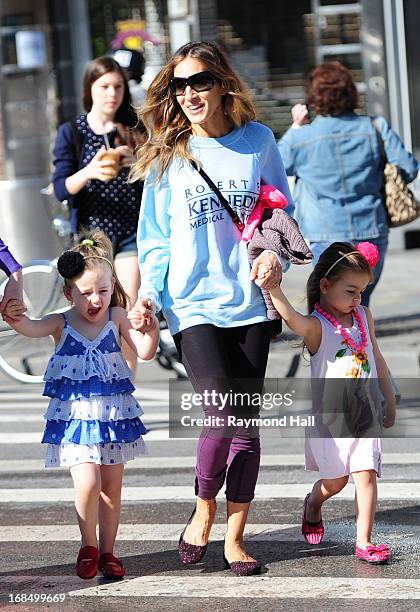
(400, 203)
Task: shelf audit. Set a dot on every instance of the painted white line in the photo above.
(265, 532)
(223, 586)
(150, 462)
(386, 490)
(278, 587)
(141, 532)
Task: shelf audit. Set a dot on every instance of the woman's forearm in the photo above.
(77, 181)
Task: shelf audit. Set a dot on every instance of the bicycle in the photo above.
(22, 358)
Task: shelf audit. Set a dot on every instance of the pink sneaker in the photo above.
(312, 532)
(374, 554)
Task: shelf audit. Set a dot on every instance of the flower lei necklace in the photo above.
(357, 348)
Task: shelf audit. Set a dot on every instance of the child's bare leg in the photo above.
(109, 505)
(87, 486)
(321, 491)
(365, 505)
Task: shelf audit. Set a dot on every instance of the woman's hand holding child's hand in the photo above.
(142, 316)
(262, 273)
(266, 270)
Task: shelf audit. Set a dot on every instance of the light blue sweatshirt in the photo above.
(193, 263)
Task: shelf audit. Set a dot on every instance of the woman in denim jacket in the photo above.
(338, 165)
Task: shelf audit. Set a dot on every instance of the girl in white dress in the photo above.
(340, 337)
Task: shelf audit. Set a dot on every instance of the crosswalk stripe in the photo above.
(225, 585)
(278, 587)
(148, 462)
(169, 532)
(139, 532)
(386, 490)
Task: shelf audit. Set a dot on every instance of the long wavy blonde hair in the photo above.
(168, 129)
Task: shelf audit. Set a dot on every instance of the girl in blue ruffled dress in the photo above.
(93, 421)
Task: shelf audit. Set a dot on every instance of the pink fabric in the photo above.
(270, 197)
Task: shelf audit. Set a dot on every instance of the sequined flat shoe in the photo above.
(375, 555)
(312, 532)
(190, 553)
(87, 562)
(243, 568)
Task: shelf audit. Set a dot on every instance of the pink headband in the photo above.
(368, 250)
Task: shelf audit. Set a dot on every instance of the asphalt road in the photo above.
(39, 537)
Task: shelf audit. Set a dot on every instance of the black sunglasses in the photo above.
(200, 81)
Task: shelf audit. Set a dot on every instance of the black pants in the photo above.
(226, 360)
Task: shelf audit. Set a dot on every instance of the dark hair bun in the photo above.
(70, 264)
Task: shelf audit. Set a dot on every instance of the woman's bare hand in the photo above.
(142, 316)
(270, 274)
(126, 156)
(300, 115)
(101, 169)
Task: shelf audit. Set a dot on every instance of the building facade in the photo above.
(272, 43)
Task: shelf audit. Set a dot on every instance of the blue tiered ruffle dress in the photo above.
(92, 415)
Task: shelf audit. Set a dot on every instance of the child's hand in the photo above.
(13, 311)
(142, 316)
(263, 272)
(389, 418)
(266, 270)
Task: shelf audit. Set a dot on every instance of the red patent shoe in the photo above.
(111, 567)
(87, 562)
(374, 554)
(312, 532)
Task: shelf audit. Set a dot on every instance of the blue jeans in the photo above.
(381, 242)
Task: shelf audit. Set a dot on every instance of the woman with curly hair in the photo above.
(338, 165)
(194, 266)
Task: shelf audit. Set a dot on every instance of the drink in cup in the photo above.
(112, 154)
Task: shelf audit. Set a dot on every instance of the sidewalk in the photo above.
(395, 306)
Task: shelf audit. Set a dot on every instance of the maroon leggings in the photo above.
(232, 359)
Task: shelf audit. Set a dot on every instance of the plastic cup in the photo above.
(112, 154)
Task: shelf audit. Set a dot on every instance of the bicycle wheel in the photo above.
(22, 358)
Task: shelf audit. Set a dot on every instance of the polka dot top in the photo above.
(113, 206)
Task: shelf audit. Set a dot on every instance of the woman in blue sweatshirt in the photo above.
(195, 267)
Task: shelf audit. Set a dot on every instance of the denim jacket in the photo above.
(339, 170)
